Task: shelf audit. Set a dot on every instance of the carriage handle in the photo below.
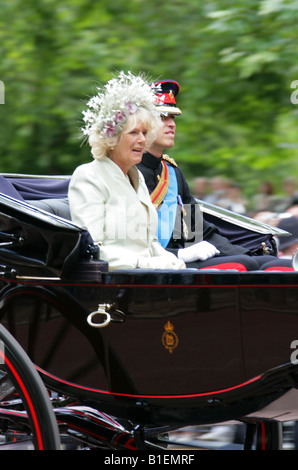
(103, 309)
(100, 311)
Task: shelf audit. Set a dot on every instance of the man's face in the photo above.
(165, 137)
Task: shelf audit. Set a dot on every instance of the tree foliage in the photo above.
(235, 62)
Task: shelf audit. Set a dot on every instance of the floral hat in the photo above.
(109, 110)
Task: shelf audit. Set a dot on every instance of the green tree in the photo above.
(235, 62)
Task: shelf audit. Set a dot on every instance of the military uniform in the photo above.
(151, 167)
(231, 256)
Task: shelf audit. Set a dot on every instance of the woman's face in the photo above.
(131, 147)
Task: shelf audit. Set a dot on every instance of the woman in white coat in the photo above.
(108, 196)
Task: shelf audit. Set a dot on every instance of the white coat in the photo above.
(117, 211)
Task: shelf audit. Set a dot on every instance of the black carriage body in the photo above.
(186, 348)
(182, 347)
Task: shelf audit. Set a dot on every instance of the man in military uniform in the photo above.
(181, 227)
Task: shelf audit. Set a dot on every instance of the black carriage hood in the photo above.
(37, 242)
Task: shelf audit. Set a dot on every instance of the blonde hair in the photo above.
(101, 146)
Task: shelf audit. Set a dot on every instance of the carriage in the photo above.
(122, 359)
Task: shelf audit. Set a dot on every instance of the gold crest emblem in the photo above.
(169, 338)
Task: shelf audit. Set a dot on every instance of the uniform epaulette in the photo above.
(169, 159)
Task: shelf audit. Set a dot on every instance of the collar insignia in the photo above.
(169, 159)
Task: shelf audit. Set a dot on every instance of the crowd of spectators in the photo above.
(266, 205)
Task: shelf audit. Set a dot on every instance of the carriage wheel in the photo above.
(265, 435)
(26, 415)
(269, 435)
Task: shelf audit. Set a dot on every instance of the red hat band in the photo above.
(166, 98)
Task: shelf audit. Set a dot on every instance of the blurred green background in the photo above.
(236, 63)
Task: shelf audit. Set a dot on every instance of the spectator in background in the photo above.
(291, 198)
(233, 199)
(293, 210)
(288, 221)
(199, 188)
(264, 200)
(218, 189)
(288, 245)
